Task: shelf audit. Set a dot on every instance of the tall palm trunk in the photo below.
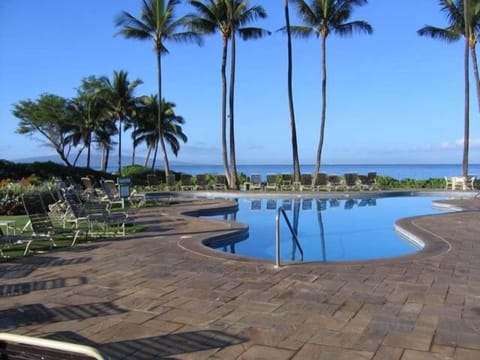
(89, 150)
(149, 150)
(119, 146)
(233, 161)
(296, 163)
(224, 109)
(154, 160)
(106, 155)
(466, 136)
(324, 107)
(159, 116)
(475, 69)
(134, 146)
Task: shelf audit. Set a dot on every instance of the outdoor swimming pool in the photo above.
(329, 230)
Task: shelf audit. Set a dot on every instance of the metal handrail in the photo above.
(277, 235)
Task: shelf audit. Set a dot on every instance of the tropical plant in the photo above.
(147, 130)
(158, 23)
(103, 138)
(51, 116)
(463, 21)
(457, 18)
(322, 18)
(90, 109)
(118, 95)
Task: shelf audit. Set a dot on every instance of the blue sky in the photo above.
(393, 97)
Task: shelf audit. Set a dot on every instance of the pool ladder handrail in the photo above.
(281, 210)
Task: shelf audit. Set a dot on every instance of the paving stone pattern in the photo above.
(160, 295)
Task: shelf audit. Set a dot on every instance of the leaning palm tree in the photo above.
(226, 17)
(103, 138)
(147, 131)
(158, 23)
(322, 18)
(121, 102)
(91, 110)
(463, 21)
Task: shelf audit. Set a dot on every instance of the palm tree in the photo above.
(466, 119)
(90, 110)
(464, 21)
(103, 137)
(121, 102)
(296, 162)
(212, 16)
(147, 130)
(227, 17)
(158, 23)
(458, 16)
(323, 17)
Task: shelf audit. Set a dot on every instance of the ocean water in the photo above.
(403, 171)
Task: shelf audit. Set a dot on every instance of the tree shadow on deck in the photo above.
(40, 314)
(157, 347)
(29, 265)
(27, 287)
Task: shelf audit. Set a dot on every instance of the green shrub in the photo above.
(11, 197)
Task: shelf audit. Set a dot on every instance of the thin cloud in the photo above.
(458, 144)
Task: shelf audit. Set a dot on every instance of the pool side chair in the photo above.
(271, 182)
(220, 182)
(448, 183)
(89, 191)
(363, 182)
(96, 216)
(201, 182)
(171, 183)
(335, 183)
(351, 181)
(13, 346)
(306, 182)
(321, 182)
(41, 224)
(112, 196)
(287, 184)
(153, 184)
(256, 182)
(372, 180)
(186, 182)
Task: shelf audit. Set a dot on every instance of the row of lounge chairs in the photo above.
(187, 182)
(324, 182)
(274, 182)
(69, 214)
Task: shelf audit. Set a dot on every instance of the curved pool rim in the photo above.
(433, 245)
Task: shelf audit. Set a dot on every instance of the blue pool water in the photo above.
(328, 230)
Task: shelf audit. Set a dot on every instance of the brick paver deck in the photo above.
(158, 295)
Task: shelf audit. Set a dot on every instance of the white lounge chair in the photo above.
(255, 182)
(271, 182)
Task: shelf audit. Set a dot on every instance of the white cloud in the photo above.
(458, 144)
